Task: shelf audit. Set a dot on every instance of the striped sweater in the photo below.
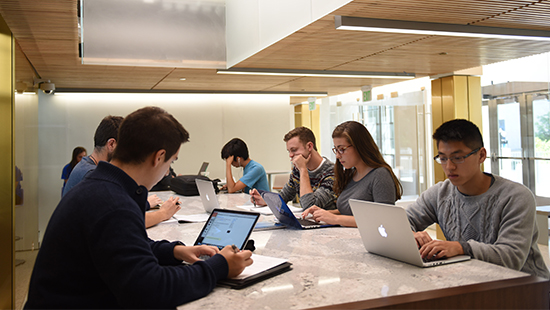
(321, 180)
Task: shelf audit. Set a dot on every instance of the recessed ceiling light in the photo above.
(182, 79)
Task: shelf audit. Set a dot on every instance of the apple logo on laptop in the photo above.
(207, 197)
(382, 231)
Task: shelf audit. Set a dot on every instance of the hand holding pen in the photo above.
(236, 260)
(256, 198)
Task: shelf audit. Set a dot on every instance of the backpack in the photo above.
(164, 183)
(185, 184)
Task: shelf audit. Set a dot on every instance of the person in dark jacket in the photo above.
(96, 253)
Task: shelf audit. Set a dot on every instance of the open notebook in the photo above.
(263, 267)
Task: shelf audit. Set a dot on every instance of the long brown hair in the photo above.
(359, 137)
(76, 151)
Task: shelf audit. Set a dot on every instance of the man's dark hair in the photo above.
(459, 130)
(304, 134)
(146, 131)
(235, 147)
(107, 129)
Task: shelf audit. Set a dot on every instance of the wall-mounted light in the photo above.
(319, 73)
(425, 28)
(20, 87)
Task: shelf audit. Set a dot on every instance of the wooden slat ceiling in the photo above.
(47, 35)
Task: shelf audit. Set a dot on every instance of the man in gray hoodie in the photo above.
(482, 215)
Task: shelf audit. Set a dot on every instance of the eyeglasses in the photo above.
(340, 150)
(456, 159)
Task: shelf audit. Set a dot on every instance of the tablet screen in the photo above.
(227, 227)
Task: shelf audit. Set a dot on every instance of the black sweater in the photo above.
(96, 253)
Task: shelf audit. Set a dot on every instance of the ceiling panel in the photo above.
(47, 33)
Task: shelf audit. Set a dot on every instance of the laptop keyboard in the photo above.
(428, 259)
(308, 222)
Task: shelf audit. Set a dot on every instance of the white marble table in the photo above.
(330, 266)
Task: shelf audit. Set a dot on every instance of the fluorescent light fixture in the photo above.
(175, 91)
(319, 73)
(425, 28)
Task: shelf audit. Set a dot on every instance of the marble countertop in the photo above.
(330, 266)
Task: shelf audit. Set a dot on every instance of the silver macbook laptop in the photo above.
(208, 195)
(386, 231)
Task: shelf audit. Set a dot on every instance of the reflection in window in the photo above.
(541, 128)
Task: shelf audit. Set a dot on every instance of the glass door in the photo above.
(519, 139)
(541, 129)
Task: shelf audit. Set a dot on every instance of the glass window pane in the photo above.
(542, 178)
(541, 126)
(486, 136)
(509, 131)
(511, 169)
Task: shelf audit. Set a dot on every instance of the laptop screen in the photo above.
(203, 168)
(227, 227)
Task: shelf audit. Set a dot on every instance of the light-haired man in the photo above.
(312, 177)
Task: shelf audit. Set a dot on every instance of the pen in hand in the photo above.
(235, 248)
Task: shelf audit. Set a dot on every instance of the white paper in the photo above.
(261, 263)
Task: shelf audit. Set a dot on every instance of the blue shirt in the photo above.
(254, 177)
(85, 166)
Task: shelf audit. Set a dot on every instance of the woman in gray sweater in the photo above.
(360, 173)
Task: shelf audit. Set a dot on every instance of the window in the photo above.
(517, 135)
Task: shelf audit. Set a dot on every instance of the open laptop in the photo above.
(208, 195)
(282, 212)
(386, 231)
(203, 168)
(227, 227)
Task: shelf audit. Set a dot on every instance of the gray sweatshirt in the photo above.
(498, 226)
(377, 186)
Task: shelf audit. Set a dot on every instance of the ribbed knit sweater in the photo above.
(498, 226)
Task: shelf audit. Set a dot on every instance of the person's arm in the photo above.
(323, 196)
(256, 197)
(154, 200)
(165, 212)
(301, 164)
(290, 189)
(383, 186)
(333, 217)
(230, 183)
(142, 273)
(422, 212)
(65, 174)
(252, 174)
(514, 233)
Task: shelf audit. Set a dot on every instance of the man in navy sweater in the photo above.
(96, 253)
